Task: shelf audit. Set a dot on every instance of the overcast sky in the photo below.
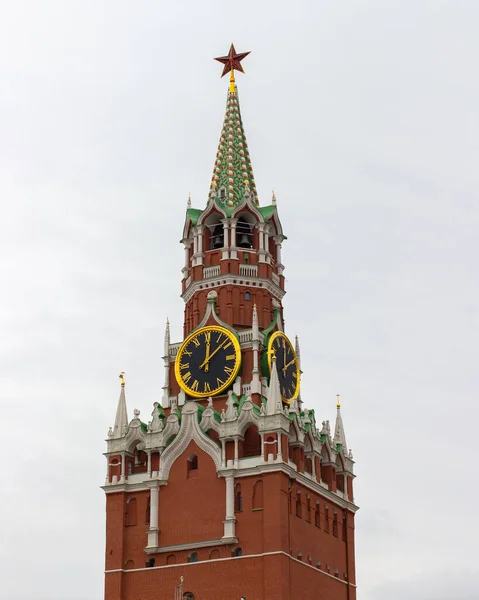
(363, 116)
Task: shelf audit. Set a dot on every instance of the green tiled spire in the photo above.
(233, 173)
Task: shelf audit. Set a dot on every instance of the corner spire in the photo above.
(273, 402)
(121, 419)
(233, 177)
(339, 435)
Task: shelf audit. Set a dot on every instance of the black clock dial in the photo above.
(286, 365)
(207, 362)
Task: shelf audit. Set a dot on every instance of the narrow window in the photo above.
(238, 498)
(238, 552)
(345, 530)
(326, 518)
(150, 562)
(298, 504)
(317, 518)
(247, 295)
(130, 516)
(258, 495)
(335, 524)
(147, 513)
(193, 557)
(308, 509)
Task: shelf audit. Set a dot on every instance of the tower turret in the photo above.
(231, 475)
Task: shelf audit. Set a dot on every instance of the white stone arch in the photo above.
(247, 417)
(189, 431)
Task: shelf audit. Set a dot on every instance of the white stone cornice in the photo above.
(232, 279)
(191, 546)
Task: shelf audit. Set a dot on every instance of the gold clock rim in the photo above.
(232, 377)
(273, 337)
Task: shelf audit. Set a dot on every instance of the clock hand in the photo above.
(206, 361)
(286, 366)
(207, 355)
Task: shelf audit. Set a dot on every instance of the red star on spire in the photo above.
(232, 61)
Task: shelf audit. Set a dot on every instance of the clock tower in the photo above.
(232, 488)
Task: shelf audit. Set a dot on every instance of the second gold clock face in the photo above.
(208, 361)
(286, 365)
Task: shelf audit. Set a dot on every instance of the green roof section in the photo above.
(194, 214)
(267, 211)
(232, 173)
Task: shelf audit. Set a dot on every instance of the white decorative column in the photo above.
(261, 249)
(225, 254)
(236, 452)
(277, 240)
(280, 449)
(154, 508)
(148, 467)
(229, 522)
(123, 464)
(223, 453)
(233, 252)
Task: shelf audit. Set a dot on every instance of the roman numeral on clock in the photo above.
(196, 342)
(194, 385)
(231, 357)
(228, 371)
(186, 376)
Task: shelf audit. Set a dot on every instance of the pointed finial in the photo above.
(273, 199)
(122, 377)
(338, 403)
(188, 204)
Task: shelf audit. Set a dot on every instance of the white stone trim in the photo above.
(232, 279)
(189, 431)
(245, 556)
(191, 546)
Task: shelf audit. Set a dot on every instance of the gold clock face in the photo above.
(287, 365)
(208, 362)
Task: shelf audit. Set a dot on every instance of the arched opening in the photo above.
(244, 236)
(308, 508)
(130, 516)
(238, 551)
(238, 498)
(252, 442)
(326, 518)
(150, 563)
(188, 596)
(192, 465)
(258, 495)
(217, 239)
(171, 559)
(193, 557)
(214, 554)
(335, 524)
(130, 564)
